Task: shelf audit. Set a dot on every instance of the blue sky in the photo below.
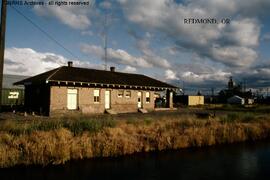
(148, 37)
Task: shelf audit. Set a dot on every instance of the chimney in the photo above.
(70, 64)
(112, 69)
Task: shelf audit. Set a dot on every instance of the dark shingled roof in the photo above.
(83, 75)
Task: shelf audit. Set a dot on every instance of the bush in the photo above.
(77, 127)
(248, 117)
(148, 120)
(231, 117)
(241, 117)
(91, 125)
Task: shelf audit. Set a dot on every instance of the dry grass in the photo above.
(55, 142)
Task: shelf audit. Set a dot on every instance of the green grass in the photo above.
(239, 117)
(77, 126)
(148, 120)
(92, 124)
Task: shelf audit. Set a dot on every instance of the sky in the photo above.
(146, 37)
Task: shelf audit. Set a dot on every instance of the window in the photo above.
(120, 93)
(147, 96)
(128, 94)
(96, 95)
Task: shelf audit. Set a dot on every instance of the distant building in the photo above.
(195, 100)
(236, 100)
(249, 101)
(234, 89)
(71, 89)
(11, 94)
(230, 83)
(189, 100)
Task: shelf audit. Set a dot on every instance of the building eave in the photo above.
(105, 85)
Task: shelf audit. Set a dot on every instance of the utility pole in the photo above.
(2, 45)
(212, 91)
(183, 88)
(213, 101)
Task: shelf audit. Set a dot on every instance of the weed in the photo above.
(148, 120)
(248, 117)
(230, 117)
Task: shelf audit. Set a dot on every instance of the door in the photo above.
(107, 99)
(72, 99)
(139, 99)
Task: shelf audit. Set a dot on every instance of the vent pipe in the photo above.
(70, 64)
(112, 69)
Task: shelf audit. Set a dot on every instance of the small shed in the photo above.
(195, 100)
(236, 100)
(189, 100)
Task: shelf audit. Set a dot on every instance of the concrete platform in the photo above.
(109, 111)
(143, 111)
(165, 109)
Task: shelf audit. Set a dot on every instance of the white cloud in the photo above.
(106, 4)
(218, 76)
(74, 16)
(167, 16)
(87, 33)
(243, 32)
(26, 61)
(197, 74)
(170, 75)
(120, 56)
(198, 80)
(234, 55)
(129, 69)
(150, 56)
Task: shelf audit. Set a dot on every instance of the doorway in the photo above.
(139, 100)
(107, 99)
(72, 99)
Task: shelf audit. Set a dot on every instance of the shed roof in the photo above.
(94, 76)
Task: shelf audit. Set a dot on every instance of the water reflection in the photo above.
(238, 161)
(248, 164)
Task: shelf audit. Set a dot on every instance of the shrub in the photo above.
(230, 117)
(248, 117)
(148, 120)
(86, 124)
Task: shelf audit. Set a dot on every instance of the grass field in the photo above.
(43, 140)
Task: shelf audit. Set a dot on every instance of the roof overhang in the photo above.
(104, 85)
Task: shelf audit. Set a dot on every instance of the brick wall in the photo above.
(86, 104)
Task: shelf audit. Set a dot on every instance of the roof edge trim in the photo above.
(119, 85)
(48, 78)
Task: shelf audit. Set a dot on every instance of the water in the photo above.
(236, 161)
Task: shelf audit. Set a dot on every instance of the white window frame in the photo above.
(96, 93)
(120, 95)
(128, 94)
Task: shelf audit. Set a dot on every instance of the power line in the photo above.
(44, 32)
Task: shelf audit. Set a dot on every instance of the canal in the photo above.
(235, 161)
